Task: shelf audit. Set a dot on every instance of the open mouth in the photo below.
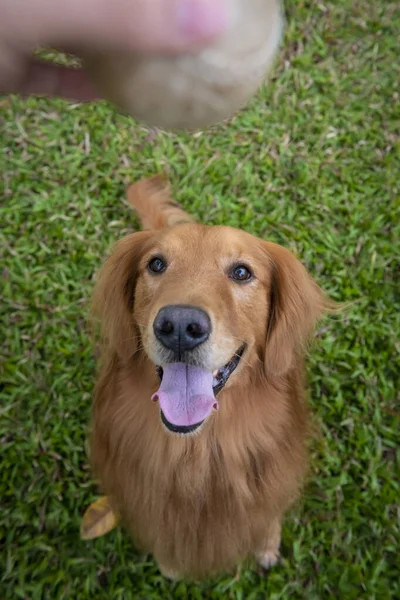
(182, 429)
(223, 374)
(188, 394)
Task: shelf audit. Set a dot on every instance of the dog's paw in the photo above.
(169, 573)
(268, 559)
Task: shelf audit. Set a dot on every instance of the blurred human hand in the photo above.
(146, 26)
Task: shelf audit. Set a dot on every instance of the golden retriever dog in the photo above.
(199, 417)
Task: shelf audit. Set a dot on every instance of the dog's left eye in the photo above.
(240, 273)
(157, 265)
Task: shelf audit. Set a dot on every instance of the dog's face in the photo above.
(196, 292)
(205, 303)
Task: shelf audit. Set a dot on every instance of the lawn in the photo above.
(313, 164)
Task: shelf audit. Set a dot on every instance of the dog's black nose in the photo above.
(181, 328)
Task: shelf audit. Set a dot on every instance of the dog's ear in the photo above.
(295, 304)
(114, 293)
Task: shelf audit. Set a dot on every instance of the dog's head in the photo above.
(205, 304)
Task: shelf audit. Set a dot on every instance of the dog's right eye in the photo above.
(157, 265)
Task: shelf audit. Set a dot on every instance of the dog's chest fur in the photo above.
(201, 503)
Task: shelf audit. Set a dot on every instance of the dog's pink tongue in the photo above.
(186, 395)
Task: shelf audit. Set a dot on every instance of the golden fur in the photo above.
(205, 502)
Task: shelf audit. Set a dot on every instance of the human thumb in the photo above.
(167, 26)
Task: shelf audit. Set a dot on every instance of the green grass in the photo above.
(312, 164)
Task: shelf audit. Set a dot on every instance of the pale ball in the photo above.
(195, 91)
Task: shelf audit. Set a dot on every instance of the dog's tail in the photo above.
(151, 200)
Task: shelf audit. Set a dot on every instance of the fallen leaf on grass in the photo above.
(98, 519)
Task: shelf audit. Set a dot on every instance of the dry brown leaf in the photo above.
(98, 519)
